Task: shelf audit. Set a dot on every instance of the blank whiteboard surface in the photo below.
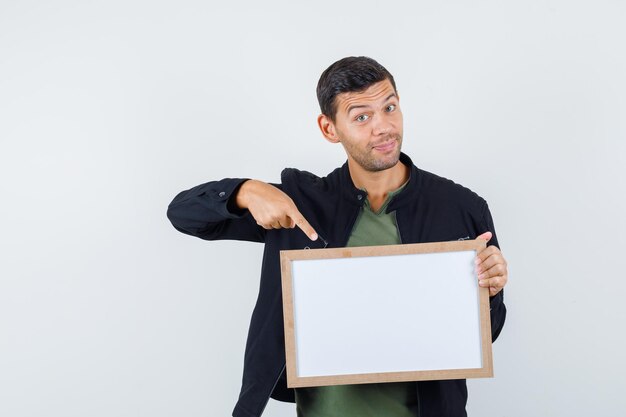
(342, 310)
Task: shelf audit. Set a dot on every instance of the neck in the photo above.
(379, 183)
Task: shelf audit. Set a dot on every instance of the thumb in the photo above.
(486, 236)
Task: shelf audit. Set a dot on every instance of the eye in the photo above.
(362, 118)
(390, 108)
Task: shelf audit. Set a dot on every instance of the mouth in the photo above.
(386, 146)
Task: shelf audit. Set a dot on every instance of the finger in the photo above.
(485, 253)
(287, 223)
(494, 273)
(490, 262)
(266, 226)
(494, 290)
(496, 277)
(494, 266)
(304, 225)
(486, 236)
(498, 270)
(496, 282)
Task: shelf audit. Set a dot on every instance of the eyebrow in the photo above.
(359, 106)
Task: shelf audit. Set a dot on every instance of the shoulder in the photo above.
(294, 179)
(449, 192)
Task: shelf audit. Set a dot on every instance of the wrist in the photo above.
(242, 196)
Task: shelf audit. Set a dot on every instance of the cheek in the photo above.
(353, 133)
(361, 136)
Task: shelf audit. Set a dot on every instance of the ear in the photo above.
(328, 129)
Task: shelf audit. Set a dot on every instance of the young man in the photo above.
(377, 197)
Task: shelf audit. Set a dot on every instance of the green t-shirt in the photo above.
(363, 400)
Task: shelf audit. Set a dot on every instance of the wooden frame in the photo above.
(448, 312)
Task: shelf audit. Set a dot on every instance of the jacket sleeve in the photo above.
(498, 309)
(208, 211)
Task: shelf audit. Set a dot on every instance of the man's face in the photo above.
(369, 126)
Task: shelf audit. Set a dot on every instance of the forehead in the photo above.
(373, 95)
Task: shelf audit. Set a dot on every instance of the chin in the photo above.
(382, 165)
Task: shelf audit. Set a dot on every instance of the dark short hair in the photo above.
(351, 74)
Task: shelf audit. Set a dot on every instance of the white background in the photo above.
(109, 108)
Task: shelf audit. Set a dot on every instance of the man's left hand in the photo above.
(491, 267)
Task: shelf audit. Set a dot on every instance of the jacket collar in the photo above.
(357, 197)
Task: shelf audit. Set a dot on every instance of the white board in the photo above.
(380, 316)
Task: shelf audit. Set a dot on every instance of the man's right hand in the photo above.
(271, 208)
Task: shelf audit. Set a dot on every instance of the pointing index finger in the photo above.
(304, 225)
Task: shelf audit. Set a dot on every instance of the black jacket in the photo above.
(428, 209)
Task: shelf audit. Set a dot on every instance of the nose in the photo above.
(382, 126)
